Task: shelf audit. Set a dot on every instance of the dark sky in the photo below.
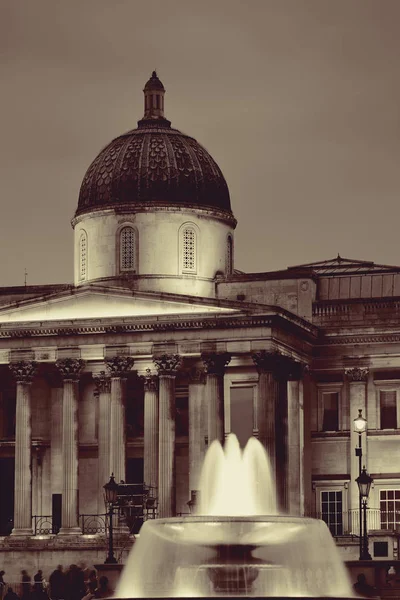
(297, 100)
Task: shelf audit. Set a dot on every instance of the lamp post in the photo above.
(360, 427)
(111, 493)
(364, 482)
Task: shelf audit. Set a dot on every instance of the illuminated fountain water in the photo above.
(237, 544)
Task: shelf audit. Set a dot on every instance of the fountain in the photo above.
(237, 544)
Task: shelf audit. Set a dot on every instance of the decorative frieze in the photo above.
(119, 366)
(167, 364)
(102, 382)
(357, 374)
(24, 371)
(215, 363)
(70, 368)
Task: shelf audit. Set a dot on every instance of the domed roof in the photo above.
(153, 164)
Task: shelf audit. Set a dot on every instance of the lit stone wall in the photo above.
(158, 248)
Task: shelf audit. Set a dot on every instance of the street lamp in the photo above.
(360, 427)
(364, 482)
(110, 494)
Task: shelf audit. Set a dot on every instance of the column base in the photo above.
(70, 531)
(22, 531)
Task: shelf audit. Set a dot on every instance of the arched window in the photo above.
(83, 256)
(127, 250)
(189, 250)
(229, 255)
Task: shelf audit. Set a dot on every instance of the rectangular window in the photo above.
(330, 408)
(388, 409)
(242, 413)
(390, 509)
(332, 511)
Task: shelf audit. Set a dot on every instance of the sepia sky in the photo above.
(297, 100)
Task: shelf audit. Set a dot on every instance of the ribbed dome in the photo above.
(153, 164)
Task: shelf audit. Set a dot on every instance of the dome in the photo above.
(153, 165)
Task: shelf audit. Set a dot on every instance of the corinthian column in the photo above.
(214, 365)
(23, 372)
(295, 441)
(167, 366)
(70, 370)
(103, 389)
(267, 400)
(196, 439)
(151, 430)
(118, 367)
(357, 378)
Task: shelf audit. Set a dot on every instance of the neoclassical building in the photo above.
(160, 346)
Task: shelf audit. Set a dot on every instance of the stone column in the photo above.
(167, 366)
(196, 440)
(267, 401)
(70, 370)
(357, 378)
(151, 425)
(23, 372)
(103, 391)
(214, 365)
(295, 441)
(118, 367)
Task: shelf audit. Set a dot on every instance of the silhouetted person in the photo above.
(57, 584)
(25, 586)
(74, 583)
(10, 595)
(362, 587)
(103, 591)
(38, 589)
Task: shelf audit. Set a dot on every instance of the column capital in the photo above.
(23, 370)
(119, 366)
(150, 381)
(357, 374)
(215, 362)
(102, 382)
(280, 365)
(167, 364)
(197, 375)
(265, 360)
(70, 368)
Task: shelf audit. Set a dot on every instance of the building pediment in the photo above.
(99, 303)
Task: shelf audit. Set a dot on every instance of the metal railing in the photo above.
(44, 525)
(93, 524)
(348, 522)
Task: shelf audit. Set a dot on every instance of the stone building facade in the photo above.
(160, 346)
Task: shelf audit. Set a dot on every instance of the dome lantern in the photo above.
(153, 100)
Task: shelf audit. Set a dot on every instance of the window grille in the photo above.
(189, 250)
(82, 257)
(332, 511)
(127, 249)
(330, 421)
(229, 256)
(388, 409)
(390, 508)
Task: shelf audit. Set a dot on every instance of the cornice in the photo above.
(121, 326)
(342, 340)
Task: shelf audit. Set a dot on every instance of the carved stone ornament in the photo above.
(283, 367)
(197, 375)
(119, 366)
(102, 382)
(359, 374)
(23, 371)
(150, 381)
(215, 363)
(265, 360)
(70, 368)
(167, 364)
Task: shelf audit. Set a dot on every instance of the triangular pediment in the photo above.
(345, 266)
(97, 303)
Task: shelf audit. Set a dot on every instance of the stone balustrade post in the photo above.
(214, 366)
(151, 426)
(70, 371)
(23, 372)
(118, 368)
(167, 366)
(103, 392)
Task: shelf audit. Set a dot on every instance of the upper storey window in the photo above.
(189, 249)
(127, 249)
(229, 255)
(83, 256)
